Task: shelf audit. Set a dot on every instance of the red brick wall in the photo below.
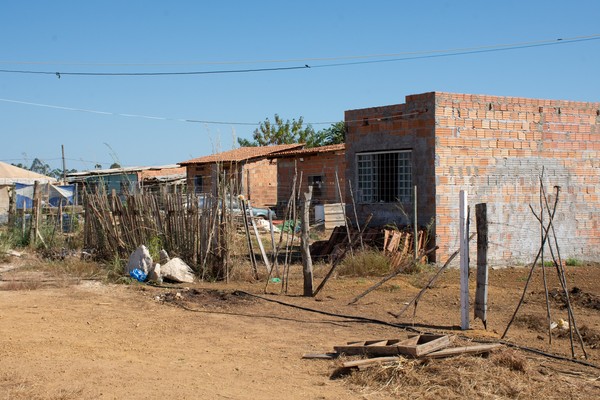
(407, 126)
(320, 164)
(260, 182)
(496, 147)
(204, 170)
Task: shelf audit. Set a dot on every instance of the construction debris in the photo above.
(396, 244)
(389, 351)
(414, 346)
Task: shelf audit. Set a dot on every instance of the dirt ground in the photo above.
(71, 338)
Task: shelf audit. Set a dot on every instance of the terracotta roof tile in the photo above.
(242, 154)
(309, 151)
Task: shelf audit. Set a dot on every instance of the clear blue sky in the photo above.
(85, 36)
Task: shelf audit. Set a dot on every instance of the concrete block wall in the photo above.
(260, 182)
(321, 164)
(409, 126)
(495, 148)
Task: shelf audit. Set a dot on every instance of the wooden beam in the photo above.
(456, 351)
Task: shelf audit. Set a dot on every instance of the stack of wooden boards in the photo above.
(396, 244)
(422, 346)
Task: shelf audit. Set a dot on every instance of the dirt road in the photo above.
(93, 341)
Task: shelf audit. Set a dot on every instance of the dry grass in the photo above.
(365, 263)
(14, 387)
(504, 374)
(21, 285)
(71, 267)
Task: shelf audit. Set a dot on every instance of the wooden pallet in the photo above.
(415, 346)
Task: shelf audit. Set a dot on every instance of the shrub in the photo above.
(365, 263)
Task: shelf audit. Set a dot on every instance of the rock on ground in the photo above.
(177, 270)
(164, 256)
(155, 275)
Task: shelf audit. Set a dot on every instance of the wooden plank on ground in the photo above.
(321, 356)
(456, 351)
(369, 361)
(414, 346)
(424, 344)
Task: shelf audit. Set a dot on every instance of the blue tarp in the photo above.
(52, 195)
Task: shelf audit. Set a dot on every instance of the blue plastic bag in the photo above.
(138, 274)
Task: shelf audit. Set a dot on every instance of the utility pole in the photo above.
(62, 146)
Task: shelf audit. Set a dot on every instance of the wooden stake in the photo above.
(464, 262)
(250, 247)
(482, 266)
(307, 267)
(260, 244)
(362, 245)
(339, 259)
(537, 257)
(34, 215)
(337, 182)
(563, 279)
(415, 225)
(415, 300)
(541, 220)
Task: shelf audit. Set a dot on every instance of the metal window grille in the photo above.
(198, 184)
(316, 181)
(384, 177)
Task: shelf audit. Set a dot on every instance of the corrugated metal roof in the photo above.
(123, 170)
(242, 154)
(312, 150)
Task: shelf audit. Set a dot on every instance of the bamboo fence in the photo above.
(191, 230)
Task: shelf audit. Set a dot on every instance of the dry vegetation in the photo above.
(507, 373)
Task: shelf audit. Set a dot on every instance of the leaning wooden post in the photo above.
(12, 206)
(259, 240)
(249, 239)
(415, 225)
(482, 266)
(307, 267)
(464, 263)
(339, 189)
(34, 215)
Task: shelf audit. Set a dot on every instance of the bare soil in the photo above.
(74, 337)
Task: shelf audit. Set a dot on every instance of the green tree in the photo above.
(40, 167)
(19, 165)
(115, 165)
(335, 134)
(279, 132)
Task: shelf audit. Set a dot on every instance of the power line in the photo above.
(386, 58)
(313, 59)
(231, 71)
(188, 120)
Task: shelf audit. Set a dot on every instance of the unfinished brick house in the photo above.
(247, 171)
(316, 167)
(495, 149)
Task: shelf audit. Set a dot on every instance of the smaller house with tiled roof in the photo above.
(245, 170)
(317, 167)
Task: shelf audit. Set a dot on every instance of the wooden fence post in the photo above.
(34, 215)
(482, 266)
(464, 262)
(307, 267)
